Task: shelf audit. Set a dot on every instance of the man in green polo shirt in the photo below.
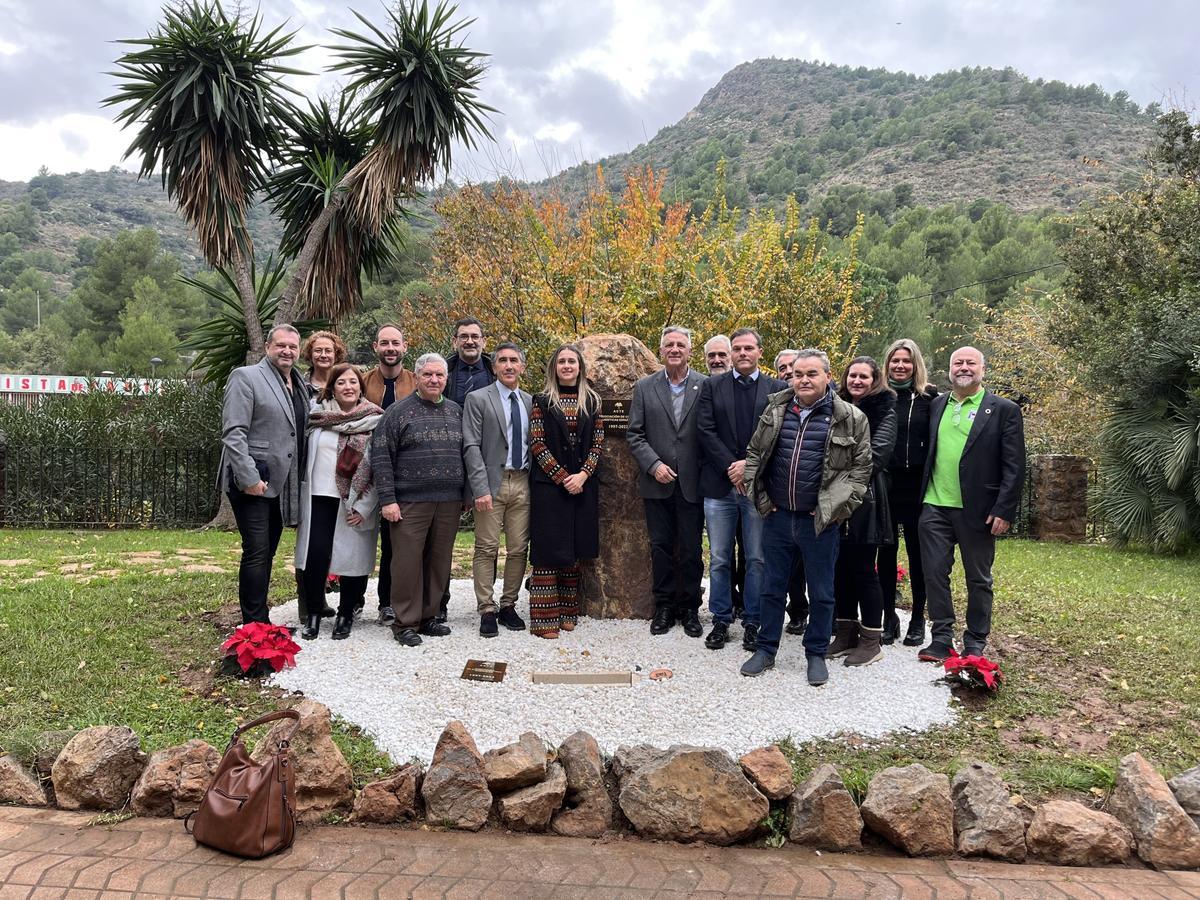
(972, 486)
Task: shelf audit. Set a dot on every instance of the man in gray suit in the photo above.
(262, 433)
(662, 438)
(496, 454)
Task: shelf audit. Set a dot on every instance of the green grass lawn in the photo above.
(1099, 649)
(123, 627)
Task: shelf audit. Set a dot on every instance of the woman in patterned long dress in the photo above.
(566, 442)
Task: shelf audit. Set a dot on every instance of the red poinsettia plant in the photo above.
(977, 671)
(263, 641)
(901, 574)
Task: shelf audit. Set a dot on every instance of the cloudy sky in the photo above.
(577, 79)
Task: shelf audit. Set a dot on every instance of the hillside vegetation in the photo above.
(961, 178)
(796, 127)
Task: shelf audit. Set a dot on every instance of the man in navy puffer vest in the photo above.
(808, 465)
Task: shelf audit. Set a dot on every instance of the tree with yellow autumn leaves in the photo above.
(539, 273)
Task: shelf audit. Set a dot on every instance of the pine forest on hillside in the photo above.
(961, 179)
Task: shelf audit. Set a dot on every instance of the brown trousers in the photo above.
(422, 555)
(510, 514)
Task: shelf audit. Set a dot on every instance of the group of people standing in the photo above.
(802, 482)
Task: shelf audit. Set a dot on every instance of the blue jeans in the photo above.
(721, 516)
(784, 534)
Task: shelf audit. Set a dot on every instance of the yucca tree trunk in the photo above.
(246, 292)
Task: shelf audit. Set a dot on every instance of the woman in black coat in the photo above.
(907, 376)
(566, 437)
(856, 584)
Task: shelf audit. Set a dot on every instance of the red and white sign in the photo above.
(76, 384)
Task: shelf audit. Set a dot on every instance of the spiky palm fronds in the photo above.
(221, 343)
(326, 142)
(1150, 466)
(206, 94)
(419, 90)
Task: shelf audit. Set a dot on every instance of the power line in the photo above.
(960, 287)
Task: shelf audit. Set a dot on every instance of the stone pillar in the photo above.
(1060, 498)
(617, 584)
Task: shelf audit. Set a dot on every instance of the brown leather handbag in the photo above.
(249, 809)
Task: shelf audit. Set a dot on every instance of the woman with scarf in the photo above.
(566, 436)
(907, 376)
(858, 602)
(339, 510)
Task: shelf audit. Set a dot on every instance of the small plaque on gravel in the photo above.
(481, 670)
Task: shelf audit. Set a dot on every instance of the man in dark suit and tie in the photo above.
(496, 454)
(972, 487)
(662, 439)
(262, 435)
(729, 409)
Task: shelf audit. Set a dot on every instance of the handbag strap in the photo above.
(270, 717)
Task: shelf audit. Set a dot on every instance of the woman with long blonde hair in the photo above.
(566, 437)
(906, 374)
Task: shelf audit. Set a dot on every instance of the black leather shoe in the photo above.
(509, 619)
(433, 628)
(691, 624)
(717, 637)
(328, 612)
(663, 621)
(750, 638)
(342, 626)
(758, 663)
(915, 636)
(386, 616)
(797, 626)
(408, 637)
(891, 629)
(934, 653)
(487, 625)
(311, 628)
(443, 614)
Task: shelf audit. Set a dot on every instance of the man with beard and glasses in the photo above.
(262, 455)
(384, 385)
(972, 487)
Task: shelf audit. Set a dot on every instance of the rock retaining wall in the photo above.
(682, 793)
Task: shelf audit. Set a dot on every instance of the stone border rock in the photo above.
(682, 793)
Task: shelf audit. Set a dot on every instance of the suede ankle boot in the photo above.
(868, 650)
(845, 638)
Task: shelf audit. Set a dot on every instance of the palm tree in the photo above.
(214, 116)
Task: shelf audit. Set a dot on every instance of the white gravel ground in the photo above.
(405, 696)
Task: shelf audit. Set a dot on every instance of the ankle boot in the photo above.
(891, 628)
(845, 638)
(312, 628)
(867, 650)
(341, 626)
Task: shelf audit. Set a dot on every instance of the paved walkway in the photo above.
(56, 854)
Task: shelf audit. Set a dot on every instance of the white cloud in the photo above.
(576, 81)
(69, 143)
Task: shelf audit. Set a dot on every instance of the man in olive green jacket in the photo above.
(807, 467)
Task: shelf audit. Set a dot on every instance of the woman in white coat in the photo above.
(339, 510)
